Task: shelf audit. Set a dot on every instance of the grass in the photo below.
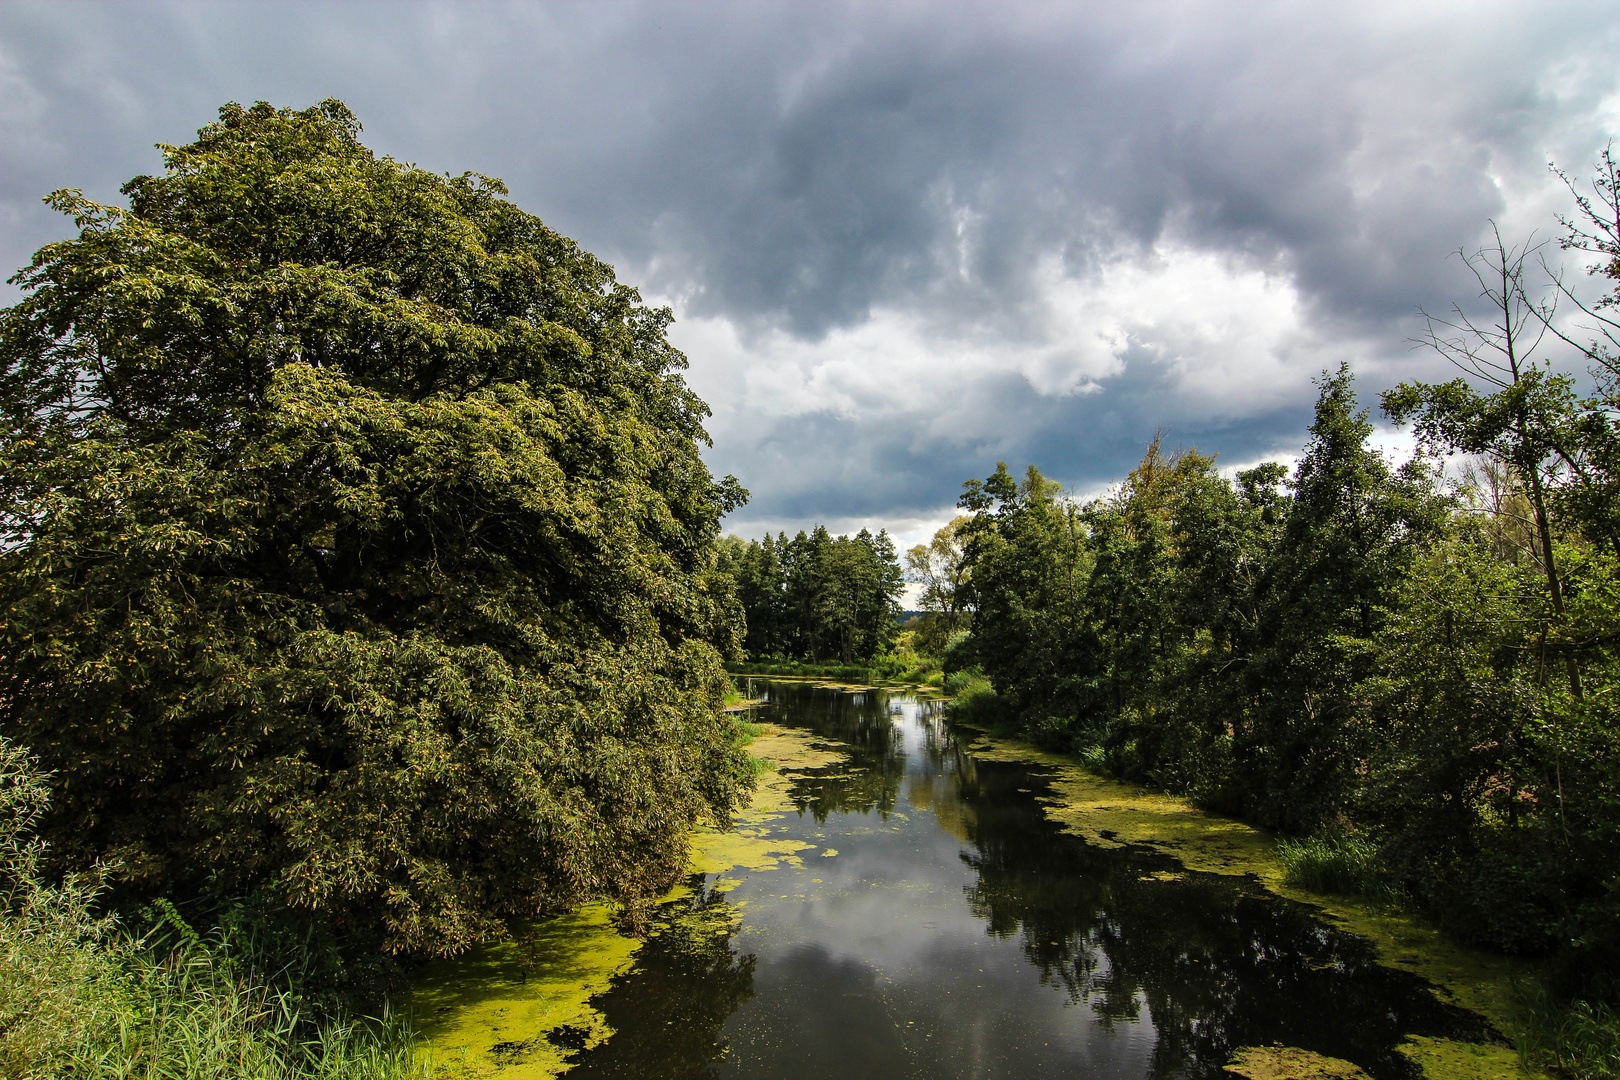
(83, 998)
(1336, 863)
(1578, 1039)
(735, 698)
(195, 1013)
(62, 981)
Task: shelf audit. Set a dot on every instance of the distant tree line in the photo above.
(816, 597)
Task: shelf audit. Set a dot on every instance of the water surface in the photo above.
(943, 927)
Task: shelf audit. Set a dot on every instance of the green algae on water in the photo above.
(1114, 814)
(1290, 1063)
(520, 1009)
(1448, 1059)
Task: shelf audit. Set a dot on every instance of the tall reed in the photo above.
(1574, 1038)
(1336, 863)
(195, 1013)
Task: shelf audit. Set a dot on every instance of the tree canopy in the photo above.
(1345, 649)
(356, 548)
(941, 568)
(816, 596)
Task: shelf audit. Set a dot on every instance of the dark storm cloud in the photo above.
(805, 199)
(877, 472)
(794, 171)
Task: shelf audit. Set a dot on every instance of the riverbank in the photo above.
(1112, 813)
(909, 669)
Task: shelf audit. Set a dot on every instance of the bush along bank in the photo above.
(1410, 680)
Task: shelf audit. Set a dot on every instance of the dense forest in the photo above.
(1414, 666)
(816, 597)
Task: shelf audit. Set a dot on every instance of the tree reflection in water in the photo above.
(1199, 963)
(668, 1012)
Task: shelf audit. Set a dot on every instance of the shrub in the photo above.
(1335, 863)
(973, 698)
(79, 997)
(1580, 1039)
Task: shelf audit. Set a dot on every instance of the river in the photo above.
(921, 914)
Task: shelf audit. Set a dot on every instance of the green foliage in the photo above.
(816, 597)
(357, 553)
(974, 700)
(1576, 1038)
(1352, 528)
(1334, 863)
(944, 571)
(1345, 653)
(960, 679)
(926, 633)
(1030, 565)
(79, 997)
(1457, 779)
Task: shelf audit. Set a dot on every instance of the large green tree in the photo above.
(357, 552)
(1353, 527)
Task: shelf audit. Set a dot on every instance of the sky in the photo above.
(904, 241)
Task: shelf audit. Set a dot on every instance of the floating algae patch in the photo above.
(1110, 813)
(716, 852)
(1114, 814)
(1476, 980)
(748, 844)
(1290, 1063)
(1447, 1059)
(1437, 1059)
(517, 1009)
(522, 1009)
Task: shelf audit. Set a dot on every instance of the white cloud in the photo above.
(1227, 341)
